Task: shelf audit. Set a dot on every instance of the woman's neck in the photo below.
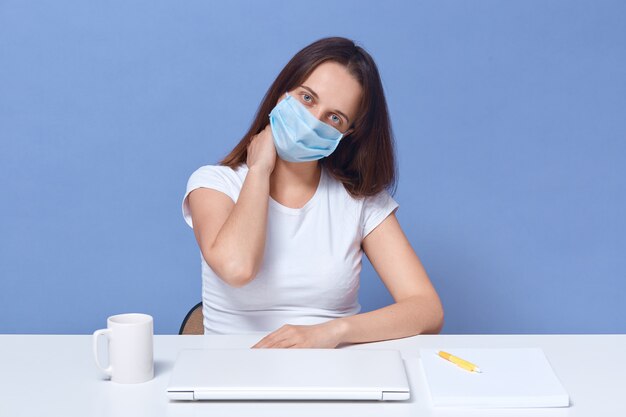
(294, 183)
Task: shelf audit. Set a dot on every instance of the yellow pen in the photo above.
(468, 366)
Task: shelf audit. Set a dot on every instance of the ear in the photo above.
(347, 132)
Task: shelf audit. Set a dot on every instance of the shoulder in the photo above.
(375, 209)
(337, 188)
(367, 211)
(216, 177)
(210, 173)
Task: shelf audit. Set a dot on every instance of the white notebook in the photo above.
(509, 378)
(288, 374)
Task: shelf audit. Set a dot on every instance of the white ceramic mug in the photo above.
(131, 357)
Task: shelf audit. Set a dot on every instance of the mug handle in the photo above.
(96, 334)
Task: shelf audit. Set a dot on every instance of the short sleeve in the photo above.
(376, 209)
(209, 176)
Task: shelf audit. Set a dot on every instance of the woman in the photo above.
(283, 220)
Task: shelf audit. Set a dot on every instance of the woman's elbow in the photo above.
(236, 275)
(435, 322)
(232, 271)
(439, 321)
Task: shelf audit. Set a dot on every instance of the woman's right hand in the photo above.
(262, 151)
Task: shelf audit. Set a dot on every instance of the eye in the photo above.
(336, 119)
(307, 98)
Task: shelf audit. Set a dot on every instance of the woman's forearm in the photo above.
(408, 317)
(241, 240)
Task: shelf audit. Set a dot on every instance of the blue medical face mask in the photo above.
(298, 135)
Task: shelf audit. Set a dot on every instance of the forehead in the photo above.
(336, 88)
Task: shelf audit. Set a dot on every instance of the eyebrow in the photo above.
(314, 94)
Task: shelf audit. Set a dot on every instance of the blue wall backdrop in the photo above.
(510, 122)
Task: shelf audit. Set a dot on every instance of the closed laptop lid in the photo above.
(288, 374)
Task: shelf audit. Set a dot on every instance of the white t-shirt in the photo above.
(312, 261)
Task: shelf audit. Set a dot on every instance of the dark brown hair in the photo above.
(364, 160)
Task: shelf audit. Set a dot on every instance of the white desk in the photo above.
(46, 375)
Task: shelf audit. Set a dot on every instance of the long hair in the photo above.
(364, 160)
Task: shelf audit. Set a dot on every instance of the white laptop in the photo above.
(288, 374)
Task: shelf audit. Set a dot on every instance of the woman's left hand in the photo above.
(325, 335)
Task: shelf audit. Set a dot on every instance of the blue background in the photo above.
(510, 126)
